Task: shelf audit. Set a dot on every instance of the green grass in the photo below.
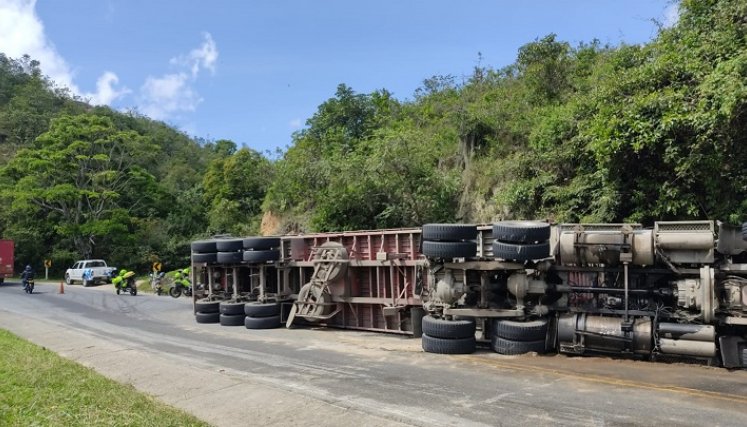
(40, 388)
(166, 283)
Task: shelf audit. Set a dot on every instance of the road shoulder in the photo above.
(218, 397)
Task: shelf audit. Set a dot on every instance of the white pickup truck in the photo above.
(101, 272)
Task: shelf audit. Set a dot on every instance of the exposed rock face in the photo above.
(270, 224)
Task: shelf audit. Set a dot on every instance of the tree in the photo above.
(234, 188)
(86, 175)
(544, 65)
(313, 178)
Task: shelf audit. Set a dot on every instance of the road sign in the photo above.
(47, 263)
(157, 266)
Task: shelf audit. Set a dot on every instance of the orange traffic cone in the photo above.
(62, 287)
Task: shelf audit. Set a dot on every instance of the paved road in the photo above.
(231, 376)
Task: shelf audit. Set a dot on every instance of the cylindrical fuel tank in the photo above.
(685, 241)
(705, 333)
(580, 332)
(687, 348)
(593, 247)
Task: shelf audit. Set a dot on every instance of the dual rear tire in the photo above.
(448, 241)
(521, 241)
(207, 311)
(262, 315)
(236, 251)
(511, 337)
(252, 315)
(448, 336)
(231, 313)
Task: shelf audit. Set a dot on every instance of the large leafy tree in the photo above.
(86, 176)
(234, 187)
(318, 183)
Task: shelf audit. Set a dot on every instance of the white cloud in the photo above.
(671, 15)
(22, 33)
(162, 98)
(295, 123)
(203, 57)
(165, 97)
(106, 93)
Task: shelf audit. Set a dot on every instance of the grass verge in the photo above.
(40, 388)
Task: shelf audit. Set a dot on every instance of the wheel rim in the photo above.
(318, 296)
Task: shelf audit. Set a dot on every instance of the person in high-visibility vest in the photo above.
(182, 277)
(118, 280)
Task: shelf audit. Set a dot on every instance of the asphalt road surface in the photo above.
(231, 376)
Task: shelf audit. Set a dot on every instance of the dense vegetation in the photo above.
(567, 133)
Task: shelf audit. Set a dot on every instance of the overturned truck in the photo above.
(677, 290)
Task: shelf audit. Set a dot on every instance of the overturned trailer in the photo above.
(675, 290)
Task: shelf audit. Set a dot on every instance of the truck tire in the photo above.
(261, 243)
(203, 246)
(204, 306)
(204, 257)
(207, 317)
(448, 346)
(233, 245)
(449, 249)
(231, 308)
(229, 257)
(521, 231)
(450, 329)
(261, 256)
(534, 330)
(270, 322)
(521, 253)
(231, 319)
(509, 347)
(256, 309)
(449, 232)
(67, 280)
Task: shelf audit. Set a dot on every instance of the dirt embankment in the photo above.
(270, 224)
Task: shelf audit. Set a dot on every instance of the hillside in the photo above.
(567, 133)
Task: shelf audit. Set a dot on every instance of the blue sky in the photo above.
(254, 71)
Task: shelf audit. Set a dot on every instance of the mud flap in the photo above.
(733, 349)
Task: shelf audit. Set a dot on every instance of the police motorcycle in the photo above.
(124, 281)
(182, 284)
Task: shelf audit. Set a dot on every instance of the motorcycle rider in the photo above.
(181, 283)
(182, 276)
(28, 273)
(118, 280)
(156, 278)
